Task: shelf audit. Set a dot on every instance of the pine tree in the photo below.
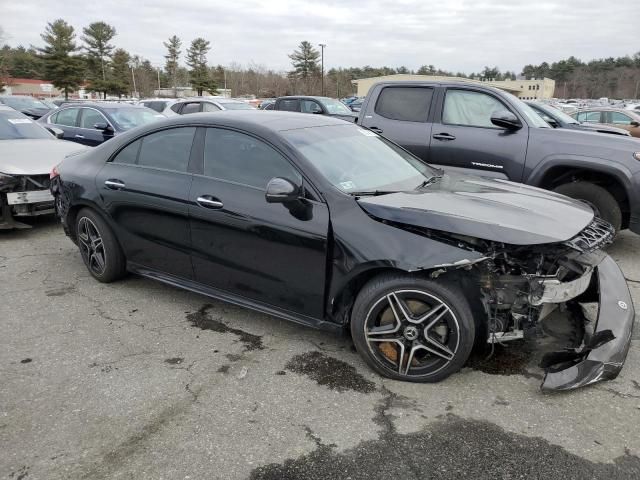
(96, 38)
(197, 61)
(173, 55)
(119, 79)
(61, 67)
(305, 61)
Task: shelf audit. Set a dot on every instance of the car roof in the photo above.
(311, 97)
(252, 120)
(98, 106)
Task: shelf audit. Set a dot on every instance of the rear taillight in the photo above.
(54, 173)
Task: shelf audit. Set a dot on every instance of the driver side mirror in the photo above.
(102, 126)
(282, 190)
(635, 124)
(56, 132)
(505, 119)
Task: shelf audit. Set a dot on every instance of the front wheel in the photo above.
(411, 328)
(598, 198)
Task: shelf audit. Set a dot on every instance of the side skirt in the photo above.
(234, 299)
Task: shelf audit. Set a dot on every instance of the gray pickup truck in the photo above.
(478, 129)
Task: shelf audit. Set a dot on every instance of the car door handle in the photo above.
(207, 201)
(375, 129)
(444, 136)
(79, 136)
(114, 184)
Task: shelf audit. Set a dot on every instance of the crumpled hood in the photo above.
(496, 210)
(34, 157)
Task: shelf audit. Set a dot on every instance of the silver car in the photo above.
(28, 153)
(208, 104)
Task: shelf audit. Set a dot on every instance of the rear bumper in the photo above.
(604, 352)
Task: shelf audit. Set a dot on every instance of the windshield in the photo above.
(356, 160)
(22, 103)
(14, 125)
(335, 107)
(127, 118)
(236, 106)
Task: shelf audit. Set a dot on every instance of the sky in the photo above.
(454, 35)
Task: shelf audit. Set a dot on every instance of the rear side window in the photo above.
(210, 107)
(409, 104)
(469, 108)
(241, 158)
(289, 105)
(157, 106)
(190, 108)
(175, 107)
(67, 117)
(167, 149)
(591, 117)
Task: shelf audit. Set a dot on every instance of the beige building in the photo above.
(524, 89)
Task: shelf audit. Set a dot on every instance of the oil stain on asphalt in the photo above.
(511, 359)
(450, 448)
(202, 319)
(329, 371)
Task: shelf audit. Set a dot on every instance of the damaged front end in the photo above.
(23, 196)
(523, 286)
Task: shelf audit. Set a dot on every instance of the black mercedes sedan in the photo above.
(94, 123)
(327, 224)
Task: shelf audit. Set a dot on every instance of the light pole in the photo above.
(322, 45)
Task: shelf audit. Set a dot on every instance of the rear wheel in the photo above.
(99, 248)
(603, 203)
(411, 328)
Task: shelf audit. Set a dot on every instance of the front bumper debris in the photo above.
(603, 351)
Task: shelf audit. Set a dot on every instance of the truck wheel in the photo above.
(603, 203)
(410, 328)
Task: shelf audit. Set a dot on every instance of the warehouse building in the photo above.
(525, 89)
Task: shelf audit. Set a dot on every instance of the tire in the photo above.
(99, 248)
(449, 339)
(604, 204)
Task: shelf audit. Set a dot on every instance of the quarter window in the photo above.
(67, 117)
(167, 149)
(241, 158)
(409, 104)
(474, 109)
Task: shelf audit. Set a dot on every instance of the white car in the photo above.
(28, 153)
(160, 105)
(208, 104)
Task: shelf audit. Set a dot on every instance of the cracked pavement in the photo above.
(139, 380)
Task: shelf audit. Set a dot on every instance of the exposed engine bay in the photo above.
(24, 196)
(521, 286)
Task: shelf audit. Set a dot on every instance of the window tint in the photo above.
(465, 107)
(209, 107)
(90, 117)
(158, 106)
(129, 154)
(168, 149)
(309, 106)
(289, 105)
(240, 158)
(620, 118)
(190, 108)
(410, 104)
(67, 117)
(175, 107)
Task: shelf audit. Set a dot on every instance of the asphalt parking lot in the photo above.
(140, 380)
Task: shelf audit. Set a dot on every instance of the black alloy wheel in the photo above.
(99, 248)
(412, 328)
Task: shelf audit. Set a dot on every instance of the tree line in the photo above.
(102, 67)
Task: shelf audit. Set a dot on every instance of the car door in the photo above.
(288, 105)
(66, 119)
(464, 137)
(267, 253)
(145, 189)
(87, 134)
(401, 113)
